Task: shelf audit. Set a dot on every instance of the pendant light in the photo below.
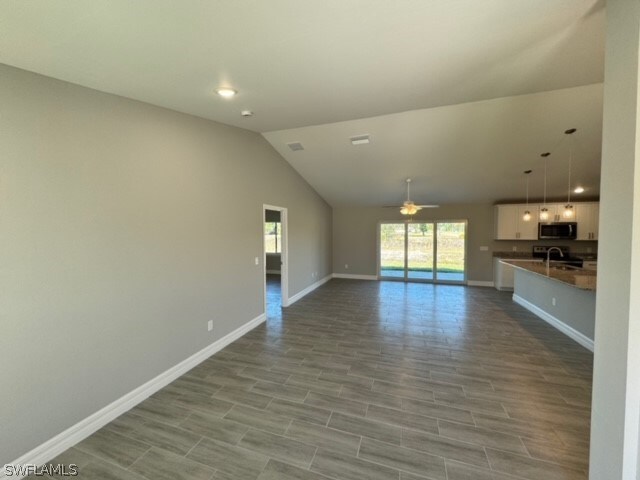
(527, 214)
(544, 211)
(568, 212)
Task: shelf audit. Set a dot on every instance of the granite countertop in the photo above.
(527, 255)
(576, 277)
(523, 255)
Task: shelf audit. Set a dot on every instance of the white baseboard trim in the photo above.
(308, 290)
(274, 272)
(355, 277)
(570, 332)
(81, 430)
(480, 283)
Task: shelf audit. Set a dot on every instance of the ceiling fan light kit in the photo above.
(409, 207)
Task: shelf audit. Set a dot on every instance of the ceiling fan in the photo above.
(408, 207)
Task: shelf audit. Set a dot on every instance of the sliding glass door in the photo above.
(450, 251)
(423, 251)
(420, 245)
(392, 248)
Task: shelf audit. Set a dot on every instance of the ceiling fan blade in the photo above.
(428, 206)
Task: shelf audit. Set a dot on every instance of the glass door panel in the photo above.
(420, 251)
(450, 248)
(392, 250)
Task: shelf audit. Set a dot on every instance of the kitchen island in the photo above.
(563, 296)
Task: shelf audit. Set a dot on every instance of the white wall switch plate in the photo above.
(514, 249)
(210, 325)
(257, 261)
(484, 248)
(553, 301)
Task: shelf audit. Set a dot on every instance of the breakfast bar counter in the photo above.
(576, 277)
(563, 296)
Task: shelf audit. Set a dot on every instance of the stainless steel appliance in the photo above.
(565, 258)
(558, 230)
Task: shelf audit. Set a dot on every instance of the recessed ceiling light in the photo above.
(578, 190)
(226, 92)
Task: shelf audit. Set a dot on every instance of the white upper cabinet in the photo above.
(528, 230)
(506, 222)
(555, 212)
(509, 223)
(587, 216)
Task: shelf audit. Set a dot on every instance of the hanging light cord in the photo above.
(544, 195)
(569, 182)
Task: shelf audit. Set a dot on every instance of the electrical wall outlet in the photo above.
(257, 261)
(484, 248)
(210, 325)
(514, 249)
(346, 266)
(553, 301)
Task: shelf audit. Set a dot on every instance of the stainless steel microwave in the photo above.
(565, 230)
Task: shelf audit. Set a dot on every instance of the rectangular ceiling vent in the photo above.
(295, 146)
(360, 140)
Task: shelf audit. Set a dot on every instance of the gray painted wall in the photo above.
(355, 243)
(124, 227)
(615, 409)
(574, 307)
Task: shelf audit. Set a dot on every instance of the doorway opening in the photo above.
(275, 260)
(423, 251)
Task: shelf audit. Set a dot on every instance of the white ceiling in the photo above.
(298, 63)
(468, 153)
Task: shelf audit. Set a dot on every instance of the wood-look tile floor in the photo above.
(367, 380)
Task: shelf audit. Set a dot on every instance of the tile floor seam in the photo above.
(96, 458)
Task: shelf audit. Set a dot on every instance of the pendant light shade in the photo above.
(544, 211)
(527, 214)
(568, 212)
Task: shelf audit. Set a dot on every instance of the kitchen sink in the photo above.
(565, 268)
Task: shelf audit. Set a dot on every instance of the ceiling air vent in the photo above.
(295, 146)
(360, 139)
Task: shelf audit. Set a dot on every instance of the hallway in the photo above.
(367, 380)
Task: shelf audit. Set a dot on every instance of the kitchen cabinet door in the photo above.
(555, 213)
(587, 215)
(506, 222)
(527, 230)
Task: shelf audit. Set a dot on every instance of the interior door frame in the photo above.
(284, 255)
(405, 277)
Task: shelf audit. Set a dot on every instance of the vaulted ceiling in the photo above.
(462, 95)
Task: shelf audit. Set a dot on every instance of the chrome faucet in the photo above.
(549, 254)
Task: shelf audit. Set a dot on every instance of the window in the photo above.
(430, 251)
(272, 237)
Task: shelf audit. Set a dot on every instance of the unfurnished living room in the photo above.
(320, 240)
